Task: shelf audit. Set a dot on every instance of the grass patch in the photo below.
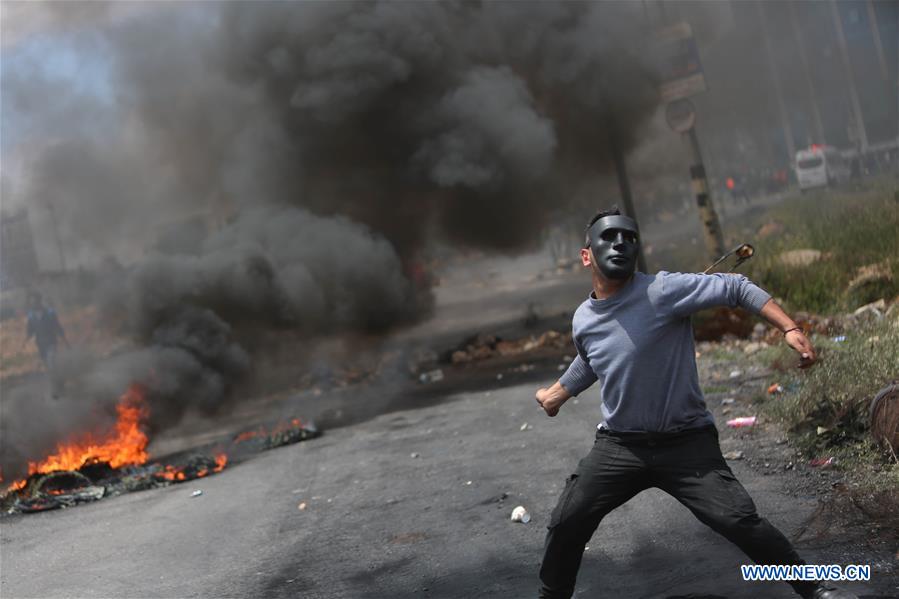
(715, 389)
(826, 409)
(851, 230)
(719, 353)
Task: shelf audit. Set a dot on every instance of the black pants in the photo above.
(689, 467)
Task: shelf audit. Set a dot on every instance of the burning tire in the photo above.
(63, 488)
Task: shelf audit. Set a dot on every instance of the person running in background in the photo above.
(44, 327)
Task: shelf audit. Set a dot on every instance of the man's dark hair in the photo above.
(613, 211)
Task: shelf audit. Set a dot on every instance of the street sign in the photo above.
(677, 59)
(680, 115)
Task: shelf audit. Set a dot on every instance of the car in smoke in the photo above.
(820, 166)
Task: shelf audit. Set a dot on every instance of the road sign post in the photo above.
(682, 76)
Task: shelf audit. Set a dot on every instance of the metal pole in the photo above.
(878, 45)
(853, 92)
(769, 54)
(809, 83)
(624, 186)
(711, 228)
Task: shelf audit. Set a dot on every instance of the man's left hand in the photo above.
(799, 342)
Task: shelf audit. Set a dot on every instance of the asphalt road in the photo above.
(379, 522)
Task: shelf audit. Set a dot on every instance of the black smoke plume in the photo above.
(321, 145)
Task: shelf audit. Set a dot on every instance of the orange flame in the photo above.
(246, 435)
(125, 445)
(177, 474)
(172, 473)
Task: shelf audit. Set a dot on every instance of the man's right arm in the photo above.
(579, 375)
(576, 379)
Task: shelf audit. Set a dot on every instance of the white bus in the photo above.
(820, 166)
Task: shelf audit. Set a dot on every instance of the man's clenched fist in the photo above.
(552, 399)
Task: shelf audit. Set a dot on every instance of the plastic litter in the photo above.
(775, 388)
(196, 493)
(822, 462)
(519, 514)
(727, 401)
(525, 427)
(432, 376)
(741, 422)
(735, 373)
(733, 455)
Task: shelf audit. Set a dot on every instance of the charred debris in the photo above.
(96, 479)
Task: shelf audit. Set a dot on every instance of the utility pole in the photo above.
(624, 185)
(809, 83)
(875, 35)
(714, 239)
(850, 75)
(683, 77)
(681, 117)
(775, 80)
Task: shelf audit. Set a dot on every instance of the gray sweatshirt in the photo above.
(639, 345)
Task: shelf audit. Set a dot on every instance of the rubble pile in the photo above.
(723, 323)
(869, 282)
(328, 377)
(482, 347)
(729, 325)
